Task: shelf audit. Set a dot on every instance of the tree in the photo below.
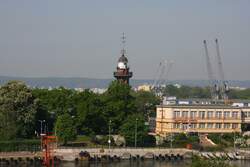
(65, 128)
(145, 103)
(18, 108)
(118, 104)
(90, 114)
(134, 123)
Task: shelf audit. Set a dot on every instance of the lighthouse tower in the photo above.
(122, 73)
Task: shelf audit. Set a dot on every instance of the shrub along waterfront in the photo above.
(201, 162)
(20, 145)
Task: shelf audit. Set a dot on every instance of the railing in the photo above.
(125, 73)
(195, 119)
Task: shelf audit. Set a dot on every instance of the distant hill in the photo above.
(102, 83)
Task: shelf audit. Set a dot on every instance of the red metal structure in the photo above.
(48, 147)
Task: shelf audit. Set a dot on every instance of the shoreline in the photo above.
(92, 154)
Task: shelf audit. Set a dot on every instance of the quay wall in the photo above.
(70, 154)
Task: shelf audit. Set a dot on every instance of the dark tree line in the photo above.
(69, 113)
(202, 92)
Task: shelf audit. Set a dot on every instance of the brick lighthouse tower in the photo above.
(122, 73)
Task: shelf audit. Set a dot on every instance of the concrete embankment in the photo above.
(123, 153)
(117, 154)
(19, 158)
(144, 153)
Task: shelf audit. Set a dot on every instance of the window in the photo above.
(226, 126)
(226, 114)
(177, 114)
(234, 126)
(160, 113)
(202, 114)
(244, 114)
(202, 125)
(193, 114)
(185, 126)
(193, 125)
(210, 125)
(234, 114)
(218, 114)
(165, 125)
(218, 125)
(176, 126)
(209, 114)
(185, 114)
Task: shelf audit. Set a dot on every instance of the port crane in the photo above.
(213, 85)
(218, 88)
(161, 78)
(223, 84)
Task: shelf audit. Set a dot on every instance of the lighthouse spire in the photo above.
(123, 51)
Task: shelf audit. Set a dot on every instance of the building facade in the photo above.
(200, 119)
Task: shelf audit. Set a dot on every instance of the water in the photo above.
(146, 163)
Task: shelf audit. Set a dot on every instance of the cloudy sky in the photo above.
(82, 38)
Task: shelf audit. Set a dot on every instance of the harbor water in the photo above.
(145, 163)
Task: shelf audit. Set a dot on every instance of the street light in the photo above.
(136, 132)
(109, 141)
(234, 141)
(41, 130)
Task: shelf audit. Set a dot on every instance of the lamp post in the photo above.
(234, 142)
(109, 141)
(171, 138)
(41, 130)
(136, 132)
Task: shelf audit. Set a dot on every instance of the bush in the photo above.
(224, 140)
(198, 162)
(20, 145)
(181, 140)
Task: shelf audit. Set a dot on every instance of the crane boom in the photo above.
(220, 66)
(157, 75)
(223, 84)
(212, 82)
(169, 67)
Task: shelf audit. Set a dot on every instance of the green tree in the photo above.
(133, 123)
(53, 103)
(65, 128)
(18, 109)
(119, 104)
(90, 114)
(145, 103)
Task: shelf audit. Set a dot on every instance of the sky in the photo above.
(82, 38)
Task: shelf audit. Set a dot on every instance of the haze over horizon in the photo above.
(83, 38)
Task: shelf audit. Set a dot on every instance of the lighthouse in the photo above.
(122, 73)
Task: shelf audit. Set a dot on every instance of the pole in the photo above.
(41, 131)
(171, 140)
(136, 132)
(109, 141)
(234, 142)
